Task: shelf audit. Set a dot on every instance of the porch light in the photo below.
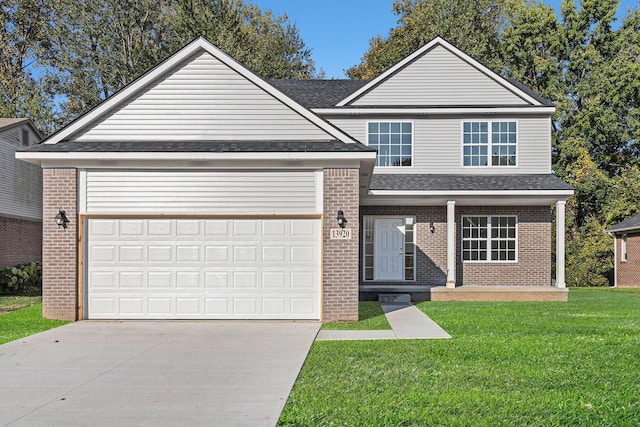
(61, 219)
(342, 221)
(432, 227)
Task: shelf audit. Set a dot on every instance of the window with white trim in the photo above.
(489, 143)
(623, 248)
(489, 238)
(394, 142)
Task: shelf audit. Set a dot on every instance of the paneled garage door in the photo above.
(203, 268)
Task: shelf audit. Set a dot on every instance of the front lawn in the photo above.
(12, 303)
(22, 323)
(370, 317)
(508, 364)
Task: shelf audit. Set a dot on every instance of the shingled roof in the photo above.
(628, 224)
(450, 182)
(317, 93)
(199, 146)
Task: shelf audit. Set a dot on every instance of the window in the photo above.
(489, 143)
(394, 142)
(623, 248)
(25, 138)
(489, 238)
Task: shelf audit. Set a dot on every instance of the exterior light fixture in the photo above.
(432, 227)
(61, 219)
(342, 221)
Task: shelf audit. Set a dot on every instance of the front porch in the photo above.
(467, 293)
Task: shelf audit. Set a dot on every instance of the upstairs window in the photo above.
(489, 143)
(394, 142)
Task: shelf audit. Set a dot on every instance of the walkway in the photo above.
(407, 321)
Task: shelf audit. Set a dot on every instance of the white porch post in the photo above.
(560, 235)
(451, 244)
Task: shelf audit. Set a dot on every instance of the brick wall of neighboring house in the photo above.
(20, 241)
(340, 257)
(60, 246)
(534, 246)
(628, 271)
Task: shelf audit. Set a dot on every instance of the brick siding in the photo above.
(20, 241)
(628, 272)
(60, 246)
(534, 247)
(340, 257)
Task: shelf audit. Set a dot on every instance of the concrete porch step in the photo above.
(394, 298)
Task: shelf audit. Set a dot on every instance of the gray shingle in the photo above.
(200, 146)
(628, 224)
(448, 182)
(317, 93)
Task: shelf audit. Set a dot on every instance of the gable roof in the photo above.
(629, 224)
(517, 90)
(7, 123)
(199, 46)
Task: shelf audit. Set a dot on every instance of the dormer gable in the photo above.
(440, 75)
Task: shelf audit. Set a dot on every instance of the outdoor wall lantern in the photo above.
(61, 219)
(342, 221)
(432, 227)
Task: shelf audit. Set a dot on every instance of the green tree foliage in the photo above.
(23, 38)
(473, 26)
(583, 60)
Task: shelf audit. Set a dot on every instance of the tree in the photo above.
(473, 26)
(23, 93)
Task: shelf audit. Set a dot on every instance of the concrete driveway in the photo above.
(149, 373)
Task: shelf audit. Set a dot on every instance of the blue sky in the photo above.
(338, 31)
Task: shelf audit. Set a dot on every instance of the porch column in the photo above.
(451, 244)
(560, 235)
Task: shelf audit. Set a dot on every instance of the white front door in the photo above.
(388, 249)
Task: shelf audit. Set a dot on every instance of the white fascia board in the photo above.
(454, 50)
(622, 230)
(477, 193)
(433, 111)
(183, 54)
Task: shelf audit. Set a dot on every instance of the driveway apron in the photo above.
(153, 373)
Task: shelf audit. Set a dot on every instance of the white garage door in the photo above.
(203, 268)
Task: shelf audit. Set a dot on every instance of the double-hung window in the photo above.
(394, 142)
(489, 143)
(489, 238)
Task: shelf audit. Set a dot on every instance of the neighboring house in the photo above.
(20, 195)
(626, 251)
(203, 191)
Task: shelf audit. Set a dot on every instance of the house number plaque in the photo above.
(340, 233)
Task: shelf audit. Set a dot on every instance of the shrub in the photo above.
(24, 279)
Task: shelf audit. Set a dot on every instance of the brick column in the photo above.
(340, 257)
(59, 246)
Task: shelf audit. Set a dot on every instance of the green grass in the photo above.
(508, 364)
(13, 303)
(25, 322)
(370, 315)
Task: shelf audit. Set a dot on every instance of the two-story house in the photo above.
(20, 195)
(203, 191)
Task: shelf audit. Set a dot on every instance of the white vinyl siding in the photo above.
(437, 146)
(439, 78)
(200, 192)
(20, 182)
(203, 99)
(169, 268)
